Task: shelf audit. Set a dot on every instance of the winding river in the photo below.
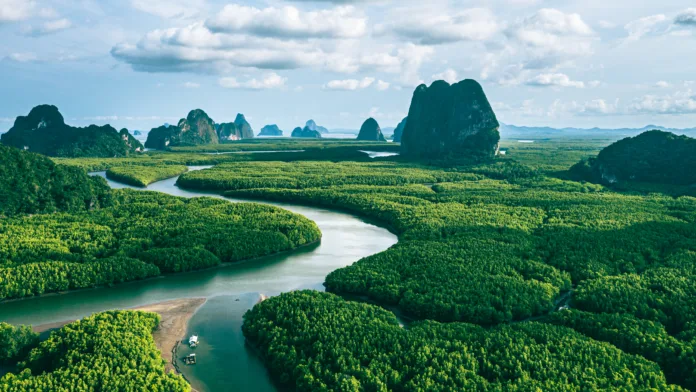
(224, 361)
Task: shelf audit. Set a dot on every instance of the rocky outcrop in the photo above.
(653, 156)
(137, 133)
(245, 128)
(306, 132)
(271, 130)
(450, 121)
(371, 131)
(196, 129)
(228, 132)
(399, 131)
(314, 127)
(132, 143)
(44, 131)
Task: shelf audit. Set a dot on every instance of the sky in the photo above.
(141, 63)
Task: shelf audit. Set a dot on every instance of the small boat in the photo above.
(190, 359)
(193, 341)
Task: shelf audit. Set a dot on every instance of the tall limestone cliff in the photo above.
(450, 121)
(399, 130)
(245, 128)
(371, 131)
(44, 131)
(196, 129)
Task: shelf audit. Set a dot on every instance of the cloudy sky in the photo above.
(140, 63)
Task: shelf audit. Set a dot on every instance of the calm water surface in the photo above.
(224, 361)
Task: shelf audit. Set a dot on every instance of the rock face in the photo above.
(399, 131)
(196, 129)
(271, 130)
(450, 121)
(653, 156)
(131, 142)
(228, 131)
(306, 133)
(44, 131)
(314, 127)
(245, 128)
(371, 131)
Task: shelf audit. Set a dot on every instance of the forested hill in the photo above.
(44, 131)
(654, 156)
(31, 183)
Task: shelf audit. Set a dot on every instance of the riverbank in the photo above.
(175, 315)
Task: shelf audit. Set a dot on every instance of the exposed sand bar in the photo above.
(175, 316)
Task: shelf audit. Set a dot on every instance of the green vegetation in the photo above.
(495, 243)
(143, 176)
(142, 235)
(110, 351)
(44, 131)
(315, 341)
(31, 184)
(16, 342)
(652, 157)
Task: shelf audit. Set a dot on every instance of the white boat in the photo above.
(193, 341)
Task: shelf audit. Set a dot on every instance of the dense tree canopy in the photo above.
(142, 235)
(143, 176)
(110, 351)
(31, 183)
(316, 341)
(653, 156)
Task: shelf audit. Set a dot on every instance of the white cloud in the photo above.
(382, 85)
(682, 102)
(428, 28)
(16, 10)
(289, 22)
(544, 42)
(662, 84)
(269, 81)
(191, 85)
(648, 25)
(686, 17)
(25, 57)
(49, 27)
(594, 83)
(605, 24)
(449, 75)
(349, 84)
(554, 80)
(170, 9)
(195, 48)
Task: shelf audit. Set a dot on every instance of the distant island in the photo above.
(450, 121)
(371, 131)
(271, 130)
(306, 132)
(654, 156)
(312, 125)
(44, 131)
